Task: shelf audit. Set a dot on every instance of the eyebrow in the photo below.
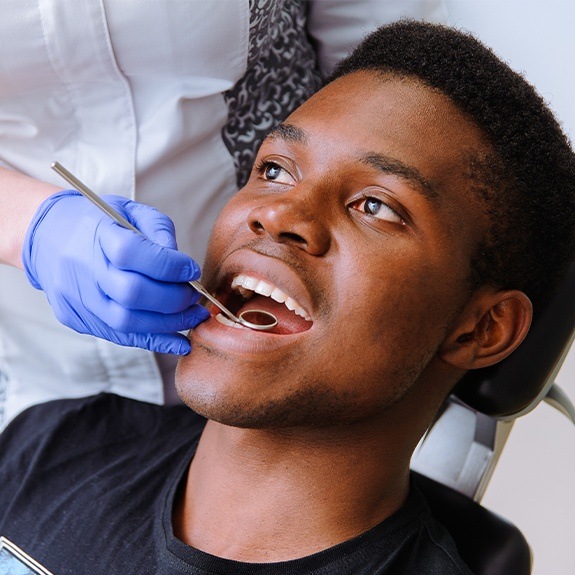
(380, 162)
(389, 165)
(288, 132)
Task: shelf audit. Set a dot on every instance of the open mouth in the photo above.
(248, 293)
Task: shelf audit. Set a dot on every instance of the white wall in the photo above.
(534, 483)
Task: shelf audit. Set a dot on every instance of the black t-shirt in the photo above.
(87, 487)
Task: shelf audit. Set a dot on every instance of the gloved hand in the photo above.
(104, 280)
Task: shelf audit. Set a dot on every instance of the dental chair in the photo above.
(454, 462)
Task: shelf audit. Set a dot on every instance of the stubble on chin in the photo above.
(306, 407)
(309, 402)
(311, 405)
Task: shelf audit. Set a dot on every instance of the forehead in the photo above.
(386, 97)
(367, 113)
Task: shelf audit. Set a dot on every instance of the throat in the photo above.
(261, 496)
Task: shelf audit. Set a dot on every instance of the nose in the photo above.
(291, 219)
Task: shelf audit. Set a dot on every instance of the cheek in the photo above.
(405, 308)
(231, 221)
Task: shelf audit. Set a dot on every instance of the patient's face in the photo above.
(360, 211)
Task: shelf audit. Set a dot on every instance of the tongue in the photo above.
(288, 321)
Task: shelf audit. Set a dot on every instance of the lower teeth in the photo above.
(225, 321)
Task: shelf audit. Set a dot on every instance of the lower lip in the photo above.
(244, 340)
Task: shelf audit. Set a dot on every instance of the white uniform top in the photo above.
(160, 101)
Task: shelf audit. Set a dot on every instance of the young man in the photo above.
(399, 224)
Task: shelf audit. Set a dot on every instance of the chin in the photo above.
(309, 406)
(227, 408)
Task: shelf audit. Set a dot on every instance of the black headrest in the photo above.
(487, 543)
(512, 385)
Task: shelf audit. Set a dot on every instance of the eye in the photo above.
(378, 209)
(274, 172)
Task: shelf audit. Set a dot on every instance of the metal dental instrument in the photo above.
(85, 191)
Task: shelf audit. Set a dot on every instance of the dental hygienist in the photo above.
(152, 102)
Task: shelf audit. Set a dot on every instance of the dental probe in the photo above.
(86, 192)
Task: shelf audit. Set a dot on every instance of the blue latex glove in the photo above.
(104, 280)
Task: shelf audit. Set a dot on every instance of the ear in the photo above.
(490, 327)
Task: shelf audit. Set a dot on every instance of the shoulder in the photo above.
(73, 425)
(409, 542)
(436, 550)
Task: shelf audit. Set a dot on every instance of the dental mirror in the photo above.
(269, 320)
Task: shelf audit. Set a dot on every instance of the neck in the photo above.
(267, 496)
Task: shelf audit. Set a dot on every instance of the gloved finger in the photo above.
(118, 318)
(175, 344)
(155, 225)
(88, 323)
(135, 291)
(127, 250)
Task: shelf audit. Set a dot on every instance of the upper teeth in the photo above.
(246, 285)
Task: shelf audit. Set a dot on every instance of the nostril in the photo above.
(291, 223)
(291, 237)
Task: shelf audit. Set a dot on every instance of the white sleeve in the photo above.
(337, 26)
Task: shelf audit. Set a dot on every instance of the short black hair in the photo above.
(528, 185)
